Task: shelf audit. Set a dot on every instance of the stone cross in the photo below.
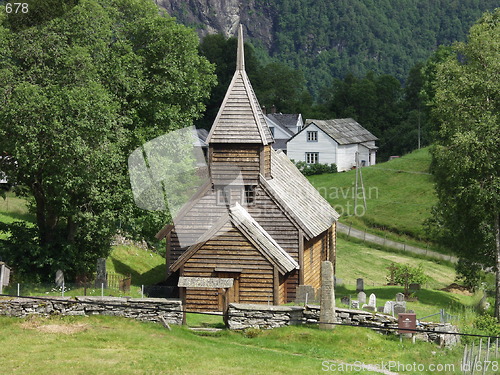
(327, 311)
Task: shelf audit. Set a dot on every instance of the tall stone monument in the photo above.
(101, 279)
(327, 311)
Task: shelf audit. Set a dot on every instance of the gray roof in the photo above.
(280, 144)
(272, 123)
(202, 136)
(249, 227)
(287, 120)
(240, 118)
(344, 131)
(261, 239)
(305, 204)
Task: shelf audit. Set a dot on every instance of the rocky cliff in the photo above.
(223, 16)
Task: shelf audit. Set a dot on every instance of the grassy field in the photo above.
(105, 345)
(145, 267)
(399, 196)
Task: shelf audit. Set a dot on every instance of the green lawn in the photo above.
(106, 345)
(399, 195)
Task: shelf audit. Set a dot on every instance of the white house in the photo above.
(283, 126)
(333, 141)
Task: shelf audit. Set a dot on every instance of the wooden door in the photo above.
(231, 294)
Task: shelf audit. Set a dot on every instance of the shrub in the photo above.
(313, 169)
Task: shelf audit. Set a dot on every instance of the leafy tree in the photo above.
(79, 92)
(466, 160)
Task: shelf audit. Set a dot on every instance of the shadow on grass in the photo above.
(153, 276)
(435, 298)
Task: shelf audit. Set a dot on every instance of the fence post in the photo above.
(102, 290)
(142, 291)
(18, 290)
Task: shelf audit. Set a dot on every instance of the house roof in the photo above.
(300, 199)
(344, 131)
(286, 120)
(202, 136)
(280, 144)
(276, 124)
(249, 228)
(240, 118)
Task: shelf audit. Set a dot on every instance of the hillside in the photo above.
(399, 195)
(328, 39)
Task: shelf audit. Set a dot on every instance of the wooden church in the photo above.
(257, 222)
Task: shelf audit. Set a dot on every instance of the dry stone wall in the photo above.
(242, 316)
(144, 309)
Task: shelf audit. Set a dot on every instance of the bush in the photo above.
(404, 274)
(312, 169)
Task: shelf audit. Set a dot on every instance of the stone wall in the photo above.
(145, 309)
(242, 316)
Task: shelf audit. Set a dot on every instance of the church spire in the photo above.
(240, 118)
(240, 58)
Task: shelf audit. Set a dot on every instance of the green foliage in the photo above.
(404, 274)
(318, 168)
(79, 92)
(466, 162)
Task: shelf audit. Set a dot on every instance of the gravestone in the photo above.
(362, 298)
(327, 310)
(414, 287)
(389, 307)
(338, 281)
(305, 294)
(59, 278)
(369, 308)
(101, 274)
(355, 304)
(360, 285)
(399, 309)
(400, 297)
(372, 301)
(346, 301)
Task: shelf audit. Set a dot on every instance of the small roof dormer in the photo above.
(240, 118)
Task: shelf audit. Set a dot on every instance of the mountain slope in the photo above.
(331, 38)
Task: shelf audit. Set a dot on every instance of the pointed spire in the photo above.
(240, 58)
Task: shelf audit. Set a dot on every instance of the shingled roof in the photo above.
(344, 131)
(240, 118)
(300, 199)
(248, 226)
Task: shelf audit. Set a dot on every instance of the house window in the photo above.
(312, 157)
(272, 130)
(312, 136)
(249, 194)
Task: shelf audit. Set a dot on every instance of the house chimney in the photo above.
(264, 111)
(273, 109)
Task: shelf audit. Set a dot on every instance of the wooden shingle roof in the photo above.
(299, 198)
(249, 227)
(240, 118)
(344, 131)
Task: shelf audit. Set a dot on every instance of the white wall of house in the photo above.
(325, 146)
(278, 133)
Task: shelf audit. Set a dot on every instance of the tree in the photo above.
(466, 160)
(80, 90)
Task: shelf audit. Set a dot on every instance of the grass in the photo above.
(108, 345)
(399, 197)
(145, 267)
(356, 260)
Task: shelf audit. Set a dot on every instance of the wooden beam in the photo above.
(301, 257)
(276, 286)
